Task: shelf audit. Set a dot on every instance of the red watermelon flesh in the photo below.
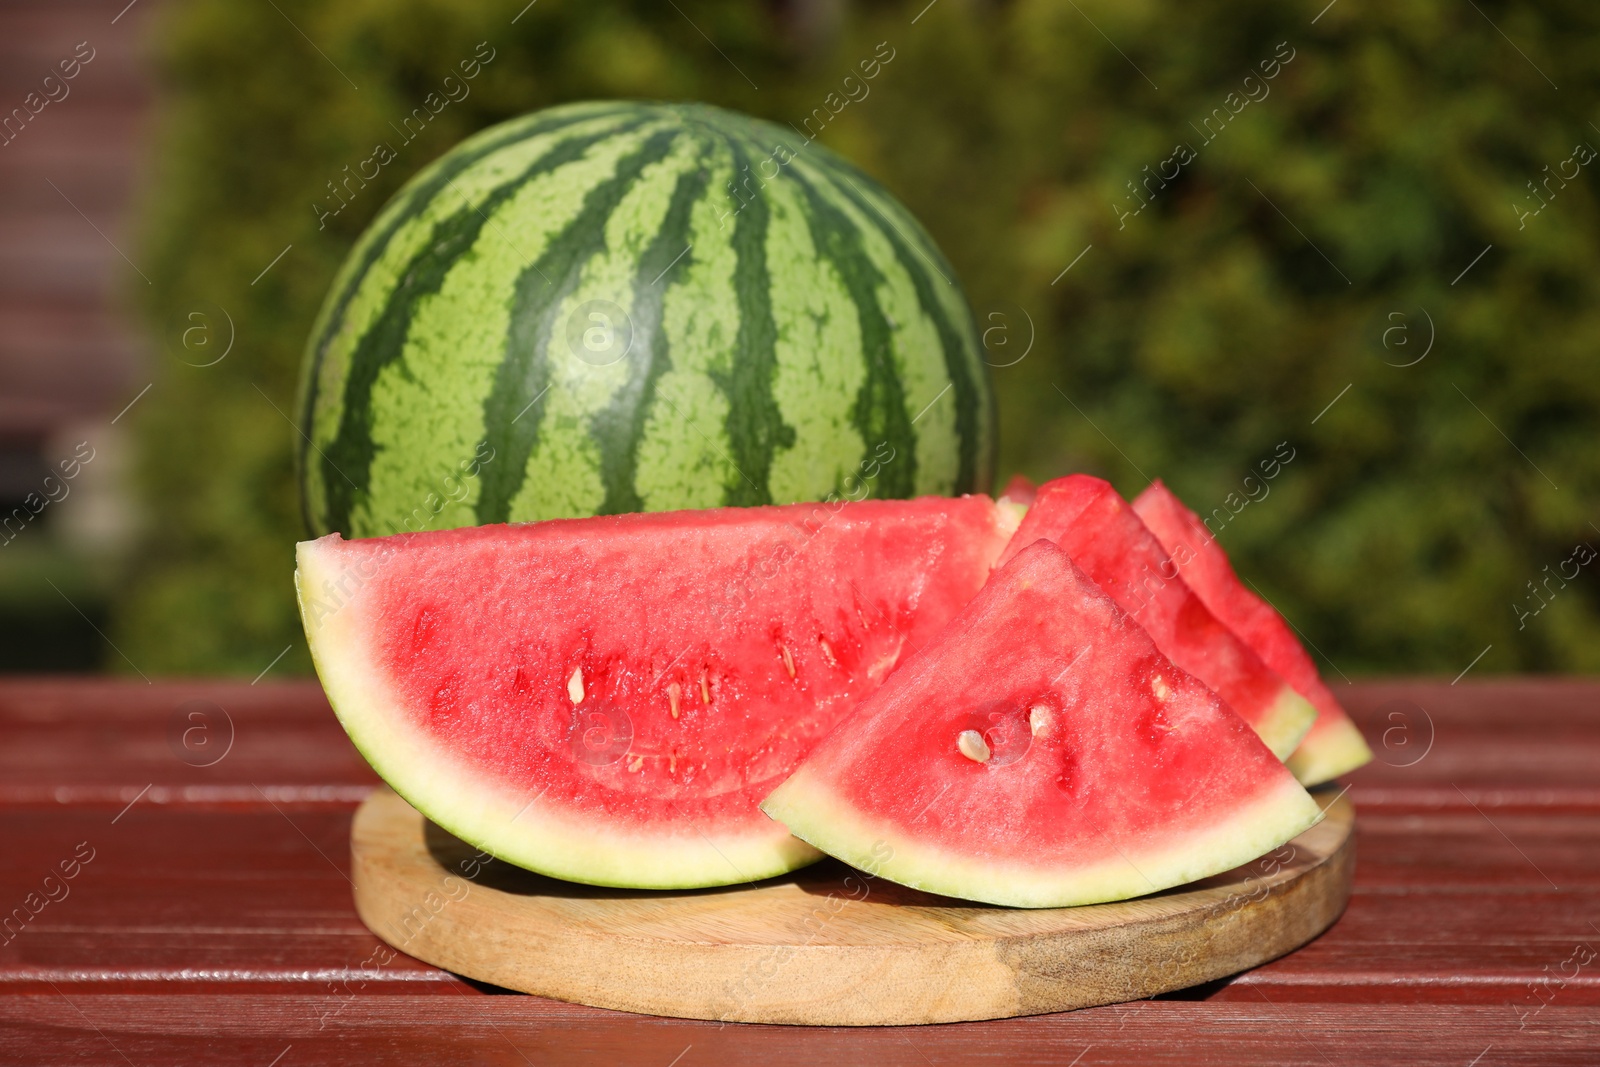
(1333, 746)
(1104, 537)
(1042, 752)
(606, 699)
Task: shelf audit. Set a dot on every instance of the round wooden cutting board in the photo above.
(828, 945)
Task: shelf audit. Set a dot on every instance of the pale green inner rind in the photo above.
(1287, 724)
(1011, 515)
(458, 797)
(813, 811)
(1329, 751)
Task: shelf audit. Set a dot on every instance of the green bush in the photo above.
(1297, 242)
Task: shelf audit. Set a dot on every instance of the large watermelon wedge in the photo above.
(605, 700)
(1105, 538)
(1042, 752)
(1333, 746)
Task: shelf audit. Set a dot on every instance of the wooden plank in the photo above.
(1530, 738)
(1543, 756)
(86, 149)
(101, 741)
(309, 1030)
(66, 349)
(261, 896)
(1465, 851)
(1521, 742)
(216, 923)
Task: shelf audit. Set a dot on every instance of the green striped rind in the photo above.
(789, 332)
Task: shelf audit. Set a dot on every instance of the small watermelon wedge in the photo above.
(606, 699)
(1042, 752)
(1104, 537)
(1333, 746)
(1020, 490)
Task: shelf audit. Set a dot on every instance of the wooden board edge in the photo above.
(443, 918)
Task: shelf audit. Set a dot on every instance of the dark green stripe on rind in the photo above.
(960, 359)
(347, 462)
(926, 265)
(756, 429)
(515, 407)
(422, 189)
(620, 426)
(880, 406)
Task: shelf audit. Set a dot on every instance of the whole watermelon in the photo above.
(614, 306)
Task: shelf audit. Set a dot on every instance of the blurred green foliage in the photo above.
(1316, 240)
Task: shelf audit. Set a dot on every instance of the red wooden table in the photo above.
(160, 911)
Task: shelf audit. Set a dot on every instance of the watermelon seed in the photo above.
(1038, 719)
(788, 660)
(638, 761)
(575, 685)
(705, 690)
(827, 651)
(674, 692)
(1160, 688)
(883, 665)
(973, 746)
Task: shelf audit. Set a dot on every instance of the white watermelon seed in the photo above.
(1038, 719)
(705, 689)
(788, 660)
(638, 761)
(674, 692)
(575, 685)
(973, 746)
(1160, 688)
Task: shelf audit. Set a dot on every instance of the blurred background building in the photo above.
(1357, 241)
(71, 354)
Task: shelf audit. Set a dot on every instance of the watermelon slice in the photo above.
(1020, 490)
(1103, 536)
(1042, 752)
(1333, 746)
(607, 699)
